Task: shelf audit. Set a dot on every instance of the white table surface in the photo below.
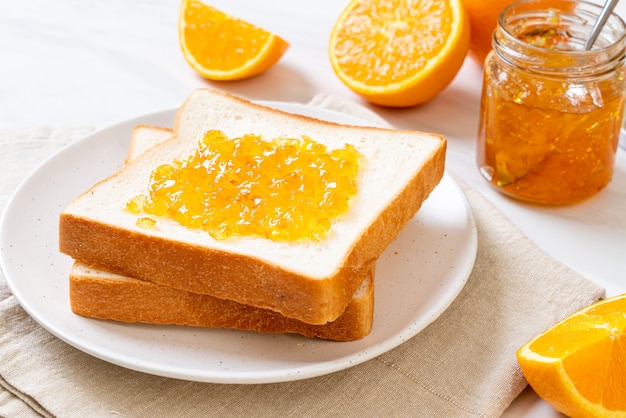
(76, 63)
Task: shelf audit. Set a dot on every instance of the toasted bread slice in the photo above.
(309, 281)
(97, 293)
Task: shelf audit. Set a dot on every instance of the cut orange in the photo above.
(222, 47)
(399, 53)
(579, 365)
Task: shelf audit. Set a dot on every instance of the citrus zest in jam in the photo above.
(285, 189)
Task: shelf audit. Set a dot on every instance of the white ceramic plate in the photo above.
(417, 278)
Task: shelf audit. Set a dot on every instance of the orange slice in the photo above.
(399, 53)
(222, 47)
(579, 365)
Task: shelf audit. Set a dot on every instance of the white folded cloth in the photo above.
(463, 364)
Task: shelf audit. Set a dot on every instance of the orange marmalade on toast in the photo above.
(285, 189)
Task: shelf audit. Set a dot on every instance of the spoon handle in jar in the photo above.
(602, 18)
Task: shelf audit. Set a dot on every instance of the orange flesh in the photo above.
(549, 140)
(284, 189)
(205, 39)
(394, 33)
(598, 368)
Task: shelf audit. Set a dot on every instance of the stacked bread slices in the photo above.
(177, 275)
(99, 293)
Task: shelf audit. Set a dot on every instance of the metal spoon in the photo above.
(602, 18)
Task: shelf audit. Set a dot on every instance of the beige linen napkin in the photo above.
(463, 364)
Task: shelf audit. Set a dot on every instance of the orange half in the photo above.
(399, 53)
(222, 47)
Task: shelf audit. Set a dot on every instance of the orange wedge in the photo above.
(579, 365)
(399, 53)
(222, 47)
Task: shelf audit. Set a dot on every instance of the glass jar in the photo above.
(551, 111)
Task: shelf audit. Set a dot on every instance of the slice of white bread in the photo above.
(309, 281)
(145, 137)
(96, 293)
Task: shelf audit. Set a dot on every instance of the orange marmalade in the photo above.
(284, 189)
(551, 112)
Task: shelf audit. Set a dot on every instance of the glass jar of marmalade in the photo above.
(551, 111)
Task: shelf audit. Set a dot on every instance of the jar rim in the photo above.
(592, 10)
(578, 17)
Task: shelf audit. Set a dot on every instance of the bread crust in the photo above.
(245, 279)
(133, 300)
(207, 271)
